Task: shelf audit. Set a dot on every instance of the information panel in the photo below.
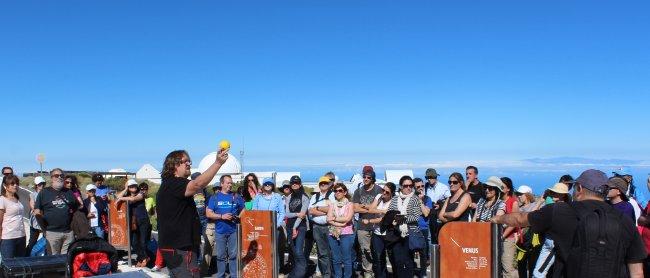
(257, 244)
(465, 250)
(118, 235)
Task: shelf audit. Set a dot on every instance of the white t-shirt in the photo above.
(381, 206)
(12, 223)
(94, 222)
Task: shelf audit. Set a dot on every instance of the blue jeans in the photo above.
(10, 248)
(226, 246)
(341, 255)
(378, 256)
(543, 255)
(298, 244)
(99, 231)
(321, 235)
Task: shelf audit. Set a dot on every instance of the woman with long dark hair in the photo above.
(140, 226)
(380, 247)
(251, 187)
(11, 217)
(456, 207)
(410, 209)
(71, 183)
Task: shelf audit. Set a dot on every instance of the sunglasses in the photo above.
(418, 187)
(453, 182)
(7, 174)
(339, 191)
(186, 162)
(407, 185)
(250, 180)
(431, 178)
(367, 178)
(67, 182)
(385, 192)
(56, 176)
(323, 184)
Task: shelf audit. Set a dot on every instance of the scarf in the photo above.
(334, 230)
(402, 205)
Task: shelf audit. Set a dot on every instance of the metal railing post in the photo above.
(434, 260)
(496, 250)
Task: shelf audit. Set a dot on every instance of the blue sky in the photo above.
(98, 85)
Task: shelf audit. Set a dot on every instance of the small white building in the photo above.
(394, 175)
(148, 172)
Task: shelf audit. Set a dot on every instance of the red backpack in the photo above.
(91, 256)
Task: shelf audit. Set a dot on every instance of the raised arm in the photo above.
(202, 180)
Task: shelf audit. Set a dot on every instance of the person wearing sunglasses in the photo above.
(362, 199)
(341, 233)
(492, 204)
(34, 226)
(379, 246)
(319, 205)
(423, 225)
(250, 191)
(456, 208)
(54, 206)
(6, 171)
(11, 219)
(410, 207)
(298, 225)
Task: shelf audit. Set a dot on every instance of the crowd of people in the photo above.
(576, 228)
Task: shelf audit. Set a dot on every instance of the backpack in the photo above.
(598, 248)
(91, 256)
(39, 248)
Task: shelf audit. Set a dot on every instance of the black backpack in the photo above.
(598, 245)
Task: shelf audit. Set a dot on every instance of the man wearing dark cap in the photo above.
(362, 199)
(616, 196)
(574, 228)
(438, 192)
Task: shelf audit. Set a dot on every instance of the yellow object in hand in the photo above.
(224, 144)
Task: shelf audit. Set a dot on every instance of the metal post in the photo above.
(274, 245)
(128, 225)
(239, 248)
(496, 250)
(434, 261)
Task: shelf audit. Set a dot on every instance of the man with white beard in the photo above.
(53, 206)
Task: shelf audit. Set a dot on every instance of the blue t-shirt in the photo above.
(423, 222)
(226, 203)
(102, 190)
(626, 208)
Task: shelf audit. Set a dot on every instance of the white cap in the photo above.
(39, 180)
(91, 187)
(131, 182)
(524, 189)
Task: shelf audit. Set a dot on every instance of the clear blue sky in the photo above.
(96, 85)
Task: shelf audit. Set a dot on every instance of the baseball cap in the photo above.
(523, 189)
(295, 179)
(367, 168)
(431, 173)
(38, 180)
(495, 181)
(91, 187)
(268, 182)
(593, 180)
(622, 171)
(324, 179)
(560, 188)
(620, 184)
(131, 182)
(285, 184)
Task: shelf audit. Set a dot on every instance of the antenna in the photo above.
(241, 155)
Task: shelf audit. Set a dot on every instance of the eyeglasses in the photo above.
(367, 177)
(67, 182)
(186, 162)
(385, 192)
(56, 176)
(431, 178)
(418, 187)
(339, 190)
(7, 174)
(407, 185)
(323, 184)
(453, 182)
(332, 180)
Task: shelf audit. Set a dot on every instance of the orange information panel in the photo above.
(118, 235)
(465, 250)
(257, 247)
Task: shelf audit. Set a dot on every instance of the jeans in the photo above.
(58, 242)
(140, 239)
(298, 244)
(341, 256)
(424, 254)
(543, 255)
(180, 263)
(11, 248)
(321, 234)
(379, 256)
(403, 258)
(226, 250)
(99, 231)
(366, 253)
(33, 238)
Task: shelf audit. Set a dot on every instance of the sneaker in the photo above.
(155, 268)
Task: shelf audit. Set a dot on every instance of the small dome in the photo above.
(232, 165)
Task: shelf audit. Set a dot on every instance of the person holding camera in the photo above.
(224, 207)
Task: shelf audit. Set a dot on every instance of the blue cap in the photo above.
(594, 180)
(622, 171)
(268, 181)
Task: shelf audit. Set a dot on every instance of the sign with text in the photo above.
(118, 235)
(465, 250)
(257, 244)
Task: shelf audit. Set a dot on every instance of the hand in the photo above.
(472, 205)
(222, 156)
(227, 216)
(365, 221)
(330, 218)
(294, 234)
(91, 215)
(495, 219)
(301, 215)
